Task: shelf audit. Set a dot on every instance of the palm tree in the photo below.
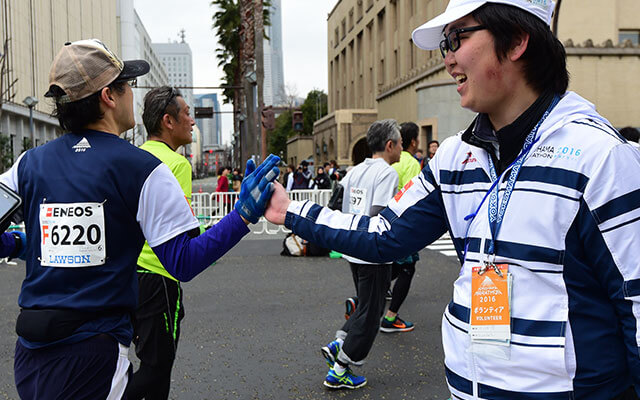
(227, 22)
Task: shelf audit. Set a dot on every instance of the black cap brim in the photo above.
(132, 69)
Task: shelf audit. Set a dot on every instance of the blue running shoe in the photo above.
(330, 352)
(345, 381)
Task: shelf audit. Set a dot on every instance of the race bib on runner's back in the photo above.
(72, 235)
(357, 200)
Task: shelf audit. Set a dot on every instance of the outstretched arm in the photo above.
(185, 257)
(413, 219)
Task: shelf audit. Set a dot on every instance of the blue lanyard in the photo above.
(496, 214)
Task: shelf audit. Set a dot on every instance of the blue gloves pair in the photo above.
(257, 187)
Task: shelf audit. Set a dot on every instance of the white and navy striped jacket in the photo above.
(571, 234)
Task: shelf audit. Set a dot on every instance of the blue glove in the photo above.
(256, 188)
(22, 250)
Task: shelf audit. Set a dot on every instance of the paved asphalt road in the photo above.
(256, 321)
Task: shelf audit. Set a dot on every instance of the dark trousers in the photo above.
(372, 281)
(83, 370)
(156, 334)
(403, 274)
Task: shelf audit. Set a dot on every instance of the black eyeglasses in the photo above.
(451, 42)
(173, 94)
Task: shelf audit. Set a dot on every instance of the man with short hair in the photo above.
(541, 197)
(160, 308)
(89, 201)
(367, 189)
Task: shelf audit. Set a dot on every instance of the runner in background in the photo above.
(156, 327)
(367, 189)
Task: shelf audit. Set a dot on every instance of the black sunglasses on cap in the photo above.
(451, 42)
(173, 94)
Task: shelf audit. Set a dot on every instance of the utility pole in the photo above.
(259, 51)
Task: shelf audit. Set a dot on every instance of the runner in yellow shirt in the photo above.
(159, 312)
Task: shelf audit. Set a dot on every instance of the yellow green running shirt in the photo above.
(181, 169)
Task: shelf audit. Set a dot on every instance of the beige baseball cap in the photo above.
(429, 35)
(84, 67)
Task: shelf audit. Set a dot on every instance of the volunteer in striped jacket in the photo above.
(547, 304)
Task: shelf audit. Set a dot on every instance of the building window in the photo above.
(631, 34)
(396, 14)
(396, 61)
(350, 19)
(344, 27)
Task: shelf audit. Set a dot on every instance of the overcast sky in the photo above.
(304, 40)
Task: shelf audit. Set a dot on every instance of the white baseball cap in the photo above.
(429, 35)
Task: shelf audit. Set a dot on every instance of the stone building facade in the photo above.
(375, 69)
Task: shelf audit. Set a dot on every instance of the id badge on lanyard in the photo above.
(490, 320)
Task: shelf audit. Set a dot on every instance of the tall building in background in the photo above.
(210, 128)
(178, 62)
(274, 92)
(209, 146)
(135, 44)
(34, 32)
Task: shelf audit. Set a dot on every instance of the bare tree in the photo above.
(290, 95)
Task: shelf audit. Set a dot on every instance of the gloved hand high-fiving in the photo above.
(256, 188)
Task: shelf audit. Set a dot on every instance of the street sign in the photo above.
(203, 112)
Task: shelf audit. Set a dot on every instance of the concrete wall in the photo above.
(440, 101)
(609, 82)
(299, 148)
(597, 20)
(340, 131)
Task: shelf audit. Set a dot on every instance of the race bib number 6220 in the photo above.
(72, 235)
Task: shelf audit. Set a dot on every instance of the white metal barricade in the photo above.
(209, 208)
